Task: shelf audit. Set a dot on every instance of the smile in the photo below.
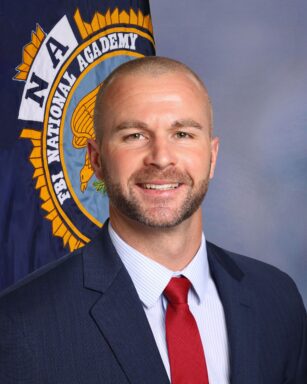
(161, 187)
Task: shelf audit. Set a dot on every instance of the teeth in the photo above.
(161, 187)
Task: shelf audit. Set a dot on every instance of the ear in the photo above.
(215, 142)
(93, 150)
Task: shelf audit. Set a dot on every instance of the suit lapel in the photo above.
(241, 316)
(120, 317)
(119, 314)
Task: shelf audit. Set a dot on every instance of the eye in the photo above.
(136, 136)
(183, 135)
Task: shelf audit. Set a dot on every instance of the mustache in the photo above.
(146, 175)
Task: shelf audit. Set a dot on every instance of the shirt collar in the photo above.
(150, 278)
(197, 271)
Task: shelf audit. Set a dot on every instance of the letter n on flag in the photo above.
(54, 56)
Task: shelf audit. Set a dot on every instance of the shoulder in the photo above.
(65, 278)
(46, 281)
(276, 308)
(251, 268)
(266, 281)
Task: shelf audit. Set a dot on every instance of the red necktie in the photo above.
(185, 349)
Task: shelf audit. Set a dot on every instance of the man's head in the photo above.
(154, 147)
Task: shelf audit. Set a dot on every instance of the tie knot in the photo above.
(177, 290)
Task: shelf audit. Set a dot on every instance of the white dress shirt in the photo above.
(150, 279)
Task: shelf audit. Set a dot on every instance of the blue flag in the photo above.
(54, 56)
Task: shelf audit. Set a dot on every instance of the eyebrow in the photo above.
(185, 123)
(130, 124)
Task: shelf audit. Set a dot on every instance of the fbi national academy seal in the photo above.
(62, 71)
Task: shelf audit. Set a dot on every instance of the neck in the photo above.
(172, 247)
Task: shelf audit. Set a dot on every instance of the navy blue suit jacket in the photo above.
(80, 321)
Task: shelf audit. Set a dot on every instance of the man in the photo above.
(114, 312)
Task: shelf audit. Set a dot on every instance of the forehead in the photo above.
(180, 83)
(151, 99)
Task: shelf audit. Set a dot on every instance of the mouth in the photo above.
(160, 187)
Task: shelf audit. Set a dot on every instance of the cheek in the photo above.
(121, 165)
(198, 161)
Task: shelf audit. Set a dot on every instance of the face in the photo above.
(156, 155)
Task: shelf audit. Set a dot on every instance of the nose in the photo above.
(161, 153)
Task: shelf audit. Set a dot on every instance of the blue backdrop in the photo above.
(253, 57)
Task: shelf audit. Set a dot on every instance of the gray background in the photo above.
(252, 54)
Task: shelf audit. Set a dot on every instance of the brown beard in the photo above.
(131, 207)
